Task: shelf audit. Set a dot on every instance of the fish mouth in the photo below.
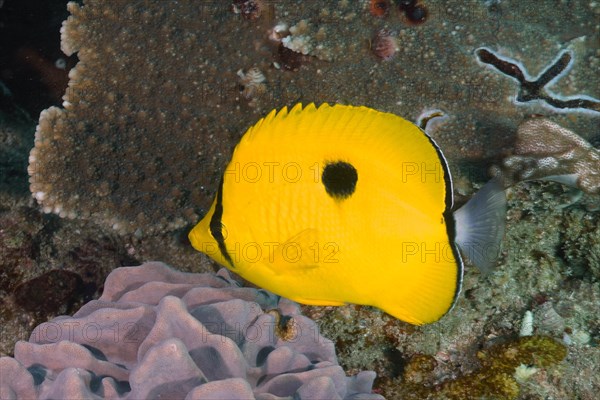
(203, 238)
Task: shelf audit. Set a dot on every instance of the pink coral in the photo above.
(157, 332)
(547, 151)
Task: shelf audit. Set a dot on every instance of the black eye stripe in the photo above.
(216, 226)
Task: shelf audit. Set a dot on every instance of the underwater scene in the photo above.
(261, 199)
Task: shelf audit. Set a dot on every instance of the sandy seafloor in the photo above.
(551, 252)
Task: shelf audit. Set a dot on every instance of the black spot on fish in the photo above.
(339, 179)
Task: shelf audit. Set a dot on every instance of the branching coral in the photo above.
(156, 332)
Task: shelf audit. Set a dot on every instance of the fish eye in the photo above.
(339, 179)
(219, 232)
(224, 232)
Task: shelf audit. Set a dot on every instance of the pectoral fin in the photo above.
(296, 254)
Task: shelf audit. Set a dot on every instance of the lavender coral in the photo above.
(157, 332)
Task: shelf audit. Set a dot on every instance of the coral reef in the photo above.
(45, 269)
(156, 332)
(546, 150)
(170, 71)
(494, 380)
(124, 97)
(155, 107)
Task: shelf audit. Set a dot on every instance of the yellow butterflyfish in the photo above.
(342, 204)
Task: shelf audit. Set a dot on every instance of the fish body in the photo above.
(340, 204)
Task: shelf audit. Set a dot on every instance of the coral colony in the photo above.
(502, 367)
(530, 90)
(545, 150)
(157, 332)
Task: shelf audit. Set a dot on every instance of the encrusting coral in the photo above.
(496, 379)
(157, 332)
(546, 150)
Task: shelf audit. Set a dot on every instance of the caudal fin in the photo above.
(480, 225)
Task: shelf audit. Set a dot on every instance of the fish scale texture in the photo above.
(161, 333)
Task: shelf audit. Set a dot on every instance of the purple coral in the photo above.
(157, 332)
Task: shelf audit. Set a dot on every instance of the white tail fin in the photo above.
(480, 225)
